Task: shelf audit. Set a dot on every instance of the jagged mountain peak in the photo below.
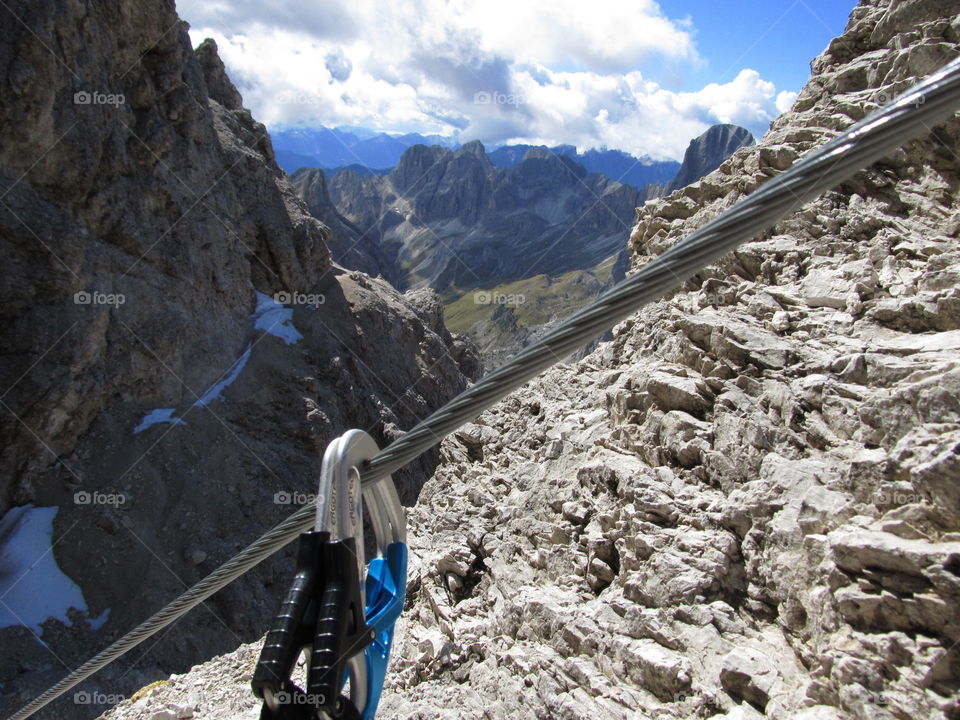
(220, 87)
(416, 163)
(475, 148)
(705, 152)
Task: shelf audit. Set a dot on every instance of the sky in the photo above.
(636, 75)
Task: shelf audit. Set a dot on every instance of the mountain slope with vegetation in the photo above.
(523, 223)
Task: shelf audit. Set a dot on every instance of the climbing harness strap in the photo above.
(336, 612)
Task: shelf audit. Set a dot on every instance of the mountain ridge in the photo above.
(323, 147)
(335, 148)
(438, 211)
(465, 220)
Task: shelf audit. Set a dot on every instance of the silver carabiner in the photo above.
(340, 503)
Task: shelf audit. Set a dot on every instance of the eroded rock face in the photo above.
(451, 220)
(155, 184)
(150, 199)
(744, 505)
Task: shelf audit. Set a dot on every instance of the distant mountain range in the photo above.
(322, 147)
(454, 221)
(615, 164)
(356, 148)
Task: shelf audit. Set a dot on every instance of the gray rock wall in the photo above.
(349, 245)
(745, 505)
(129, 168)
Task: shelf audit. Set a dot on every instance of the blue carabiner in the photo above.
(385, 586)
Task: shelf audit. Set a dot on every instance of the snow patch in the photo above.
(155, 417)
(273, 318)
(214, 391)
(32, 585)
(98, 622)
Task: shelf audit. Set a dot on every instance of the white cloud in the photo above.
(785, 100)
(607, 35)
(557, 71)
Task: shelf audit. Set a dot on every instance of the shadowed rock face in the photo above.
(140, 212)
(705, 153)
(149, 199)
(349, 245)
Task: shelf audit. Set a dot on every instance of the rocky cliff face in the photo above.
(745, 505)
(141, 212)
(705, 153)
(453, 221)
